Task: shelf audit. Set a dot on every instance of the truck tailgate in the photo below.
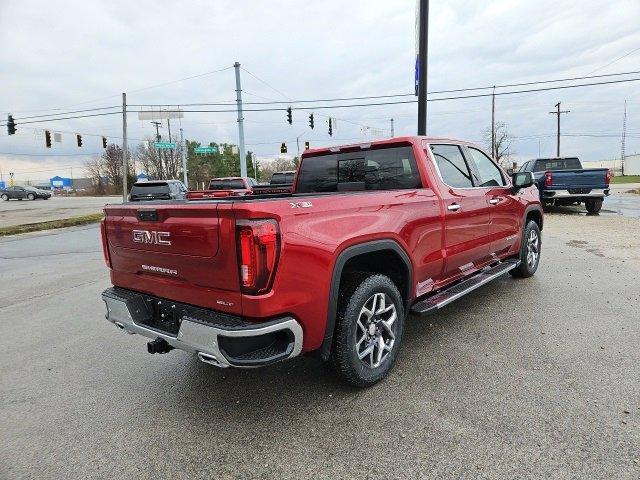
(581, 178)
(175, 251)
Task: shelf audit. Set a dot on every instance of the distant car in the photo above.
(158, 190)
(224, 187)
(23, 193)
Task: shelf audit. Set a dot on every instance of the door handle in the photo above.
(494, 201)
(454, 207)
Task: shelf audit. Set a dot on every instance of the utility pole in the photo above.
(493, 123)
(423, 40)
(392, 131)
(184, 159)
(243, 160)
(558, 112)
(255, 167)
(624, 139)
(125, 163)
(160, 154)
(157, 124)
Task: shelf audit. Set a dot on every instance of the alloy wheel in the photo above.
(533, 248)
(376, 332)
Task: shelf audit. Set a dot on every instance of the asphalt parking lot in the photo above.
(18, 212)
(534, 378)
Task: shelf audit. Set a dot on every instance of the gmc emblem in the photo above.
(152, 237)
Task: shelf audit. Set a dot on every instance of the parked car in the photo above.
(563, 181)
(158, 190)
(281, 182)
(24, 193)
(372, 232)
(224, 187)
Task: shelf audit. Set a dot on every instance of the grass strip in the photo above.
(626, 179)
(49, 225)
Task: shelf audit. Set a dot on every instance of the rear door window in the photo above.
(452, 166)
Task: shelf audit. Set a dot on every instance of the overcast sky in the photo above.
(81, 54)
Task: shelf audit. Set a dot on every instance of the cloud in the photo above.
(65, 54)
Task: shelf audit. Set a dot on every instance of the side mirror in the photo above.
(522, 180)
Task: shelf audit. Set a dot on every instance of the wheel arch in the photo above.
(362, 254)
(533, 212)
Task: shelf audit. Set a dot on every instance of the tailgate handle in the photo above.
(148, 215)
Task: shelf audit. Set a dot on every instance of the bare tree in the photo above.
(502, 151)
(111, 160)
(94, 170)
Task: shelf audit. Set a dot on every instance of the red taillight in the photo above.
(258, 250)
(548, 179)
(607, 178)
(105, 245)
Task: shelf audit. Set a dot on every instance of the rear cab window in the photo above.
(227, 184)
(557, 164)
(391, 168)
(150, 190)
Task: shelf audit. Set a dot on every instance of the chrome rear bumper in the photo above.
(593, 193)
(218, 339)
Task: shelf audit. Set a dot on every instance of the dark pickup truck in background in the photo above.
(563, 182)
(281, 182)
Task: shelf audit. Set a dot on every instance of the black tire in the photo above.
(593, 205)
(356, 331)
(4, 197)
(528, 267)
(31, 196)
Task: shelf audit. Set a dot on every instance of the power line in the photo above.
(370, 104)
(267, 84)
(375, 97)
(398, 102)
(68, 113)
(614, 61)
(180, 80)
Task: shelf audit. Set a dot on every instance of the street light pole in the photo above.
(184, 159)
(423, 40)
(125, 163)
(243, 160)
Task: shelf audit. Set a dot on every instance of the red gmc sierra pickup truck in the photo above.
(370, 233)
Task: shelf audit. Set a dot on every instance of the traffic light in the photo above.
(306, 145)
(47, 138)
(330, 128)
(79, 140)
(11, 125)
(104, 142)
(283, 148)
(289, 116)
(311, 121)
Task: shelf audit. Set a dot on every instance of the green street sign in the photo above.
(164, 145)
(206, 150)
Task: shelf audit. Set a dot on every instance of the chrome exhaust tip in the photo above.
(210, 359)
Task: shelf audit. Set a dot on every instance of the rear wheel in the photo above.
(529, 251)
(31, 196)
(4, 197)
(369, 329)
(593, 205)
